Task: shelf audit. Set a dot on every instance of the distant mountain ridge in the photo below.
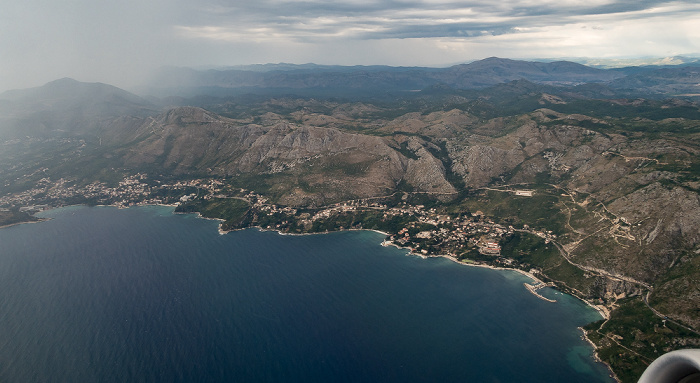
(476, 75)
(314, 80)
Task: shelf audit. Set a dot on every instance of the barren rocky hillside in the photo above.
(306, 164)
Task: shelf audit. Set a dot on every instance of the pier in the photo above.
(534, 287)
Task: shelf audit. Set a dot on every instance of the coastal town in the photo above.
(468, 237)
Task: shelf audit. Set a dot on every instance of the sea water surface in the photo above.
(143, 295)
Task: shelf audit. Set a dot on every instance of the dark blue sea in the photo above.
(143, 295)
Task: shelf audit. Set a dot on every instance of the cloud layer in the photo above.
(113, 41)
(319, 20)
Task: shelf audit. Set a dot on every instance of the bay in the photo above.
(144, 295)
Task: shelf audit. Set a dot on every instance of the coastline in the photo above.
(595, 354)
(39, 220)
(199, 215)
(153, 217)
(601, 310)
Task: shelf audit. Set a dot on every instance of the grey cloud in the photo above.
(408, 19)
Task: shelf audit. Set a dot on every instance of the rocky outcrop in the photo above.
(427, 173)
(674, 213)
(527, 151)
(480, 164)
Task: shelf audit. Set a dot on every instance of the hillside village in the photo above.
(426, 230)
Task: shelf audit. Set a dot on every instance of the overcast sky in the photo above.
(116, 41)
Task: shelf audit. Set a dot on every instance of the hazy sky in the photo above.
(116, 41)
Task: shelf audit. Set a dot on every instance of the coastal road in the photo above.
(645, 299)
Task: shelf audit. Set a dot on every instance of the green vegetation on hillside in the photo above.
(542, 210)
(14, 216)
(633, 337)
(230, 210)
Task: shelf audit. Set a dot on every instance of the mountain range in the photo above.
(364, 81)
(612, 156)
